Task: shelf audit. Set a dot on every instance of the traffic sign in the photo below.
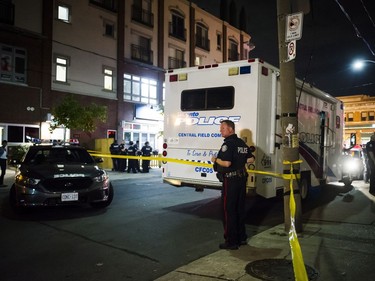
(294, 27)
(291, 49)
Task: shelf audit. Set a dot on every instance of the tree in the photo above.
(71, 115)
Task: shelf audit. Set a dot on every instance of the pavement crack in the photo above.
(100, 243)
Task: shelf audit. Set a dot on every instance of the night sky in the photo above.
(331, 40)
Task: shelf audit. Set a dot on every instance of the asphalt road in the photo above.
(150, 229)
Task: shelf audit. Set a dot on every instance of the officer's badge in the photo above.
(224, 148)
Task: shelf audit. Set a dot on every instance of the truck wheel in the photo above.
(347, 181)
(304, 187)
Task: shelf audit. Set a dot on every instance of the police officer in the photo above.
(132, 162)
(122, 161)
(230, 165)
(115, 150)
(370, 149)
(146, 151)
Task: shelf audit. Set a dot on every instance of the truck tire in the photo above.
(304, 187)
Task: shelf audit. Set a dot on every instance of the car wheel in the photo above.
(104, 204)
(13, 201)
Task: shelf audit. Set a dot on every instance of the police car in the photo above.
(53, 175)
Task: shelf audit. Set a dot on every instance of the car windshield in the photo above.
(53, 155)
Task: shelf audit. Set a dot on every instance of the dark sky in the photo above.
(331, 41)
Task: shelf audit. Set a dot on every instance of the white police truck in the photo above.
(248, 93)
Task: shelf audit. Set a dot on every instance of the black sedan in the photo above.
(51, 175)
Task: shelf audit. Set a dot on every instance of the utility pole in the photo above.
(289, 120)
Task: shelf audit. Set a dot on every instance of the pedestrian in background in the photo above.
(115, 150)
(3, 161)
(146, 151)
(137, 153)
(370, 149)
(230, 166)
(132, 162)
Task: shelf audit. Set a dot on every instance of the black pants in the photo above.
(3, 166)
(372, 176)
(115, 164)
(132, 165)
(234, 212)
(145, 165)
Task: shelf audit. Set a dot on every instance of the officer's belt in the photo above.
(238, 173)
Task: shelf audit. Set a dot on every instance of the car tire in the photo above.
(13, 201)
(104, 204)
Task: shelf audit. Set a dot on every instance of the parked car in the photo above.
(53, 175)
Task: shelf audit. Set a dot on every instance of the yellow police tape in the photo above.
(297, 258)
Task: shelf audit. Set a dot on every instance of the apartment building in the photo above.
(359, 111)
(107, 52)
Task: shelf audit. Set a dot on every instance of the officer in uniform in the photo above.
(370, 149)
(230, 166)
(146, 151)
(115, 150)
(132, 162)
(122, 161)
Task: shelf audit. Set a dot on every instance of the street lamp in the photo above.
(359, 64)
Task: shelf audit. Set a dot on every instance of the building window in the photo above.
(140, 89)
(371, 116)
(61, 68)
(177, 25)
(108, 78)
(142, 52)
(63, 13)
(177, 61)
(106, 4)
(141, 12)
(13, 64)
(201, 37)
(218, 41)
(363, 116)
(109, 28)
(350, 117)
(233, 50)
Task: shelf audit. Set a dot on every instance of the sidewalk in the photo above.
(331, 250)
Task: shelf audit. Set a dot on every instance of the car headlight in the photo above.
(27, 181)
(101, 178)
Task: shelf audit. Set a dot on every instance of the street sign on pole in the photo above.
(291, 49)
(293, 30)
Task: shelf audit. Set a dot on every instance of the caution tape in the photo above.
(297, 258)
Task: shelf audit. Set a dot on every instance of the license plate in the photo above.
(73, 196)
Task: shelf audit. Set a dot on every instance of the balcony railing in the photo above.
(202, 43)
(6, 13)
(142, 16)
(141, 54)
(175, 63)
(177, 31)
